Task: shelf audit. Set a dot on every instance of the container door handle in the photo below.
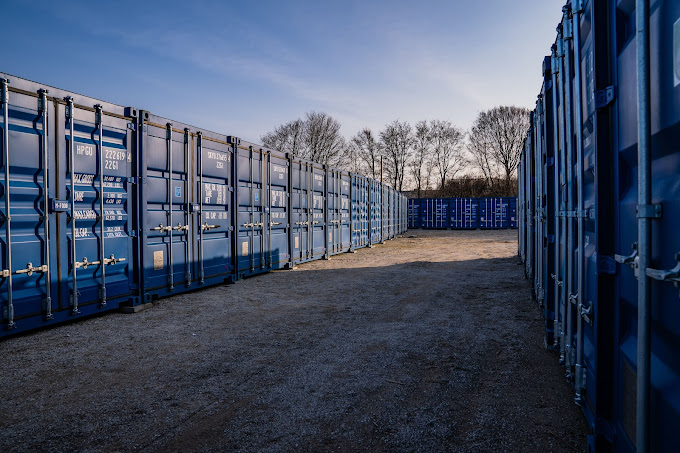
(630, 259)
(85, 263)
(160, 227)
(30, 269)
(672, 275)
(113, 260)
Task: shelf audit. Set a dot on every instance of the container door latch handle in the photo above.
(113, 260)
(630, 259)
(672, 275)
(30, 269)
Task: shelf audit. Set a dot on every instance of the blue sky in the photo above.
(241, 68)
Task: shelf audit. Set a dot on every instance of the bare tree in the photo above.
(288, 138)
(351, 159)
(396, 140)
(322, 138)
(422, 149)
(479, 148)
(368, 150)
(316, 137)
(498, 134)
(447, 145)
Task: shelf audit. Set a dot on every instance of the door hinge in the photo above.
(604, 97)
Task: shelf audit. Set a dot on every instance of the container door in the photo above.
(252, 218)
(214, 186)
(279, 222)
(664, 211)
(513, 213)
(345, 213)
(366, 200)
(26, 284)
(301, 215)
(99, 187)
(166, 183)
(333, 211)
(318, 230)
(355, 211)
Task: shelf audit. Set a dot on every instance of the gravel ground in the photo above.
(426, 343)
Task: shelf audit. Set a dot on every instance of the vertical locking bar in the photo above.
(303, 208)
(102, 214)
(351, 211)
(570, 190)
(556, 183)
(47, 303)
(235, 205)
(268, 220)
(578, 129)
(70, 114)
(644, 321)
(171, 269)
(201, 265)
(289, 210)
(187, 206)
(263, 207)
(562, 204)
(310, 210)
(4, 98)
(326, 216)
(251, 257)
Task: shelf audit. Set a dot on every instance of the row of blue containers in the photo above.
(104, 206)
(599, 208)
(463, 213)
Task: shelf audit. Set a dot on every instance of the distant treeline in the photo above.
(433, 157)
(470, 186)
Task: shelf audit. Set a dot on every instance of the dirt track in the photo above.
(426, 343)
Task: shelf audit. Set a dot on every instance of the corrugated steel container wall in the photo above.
(185, 197)
(212, 206)
(414, 212)
(434, 213)
(66, 205)
(521, 233)
(665, 240)
(512, 212)
(546, 159)
(253, 223)
(338, 213)
(463, 213)
(375, 216)
(493, 213)
(360, 211)
(385, 212)
(308, 210)
(595, 212)
(529, 199)
(393, 213)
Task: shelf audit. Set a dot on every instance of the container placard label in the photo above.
(158, 260)
(244, 248)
